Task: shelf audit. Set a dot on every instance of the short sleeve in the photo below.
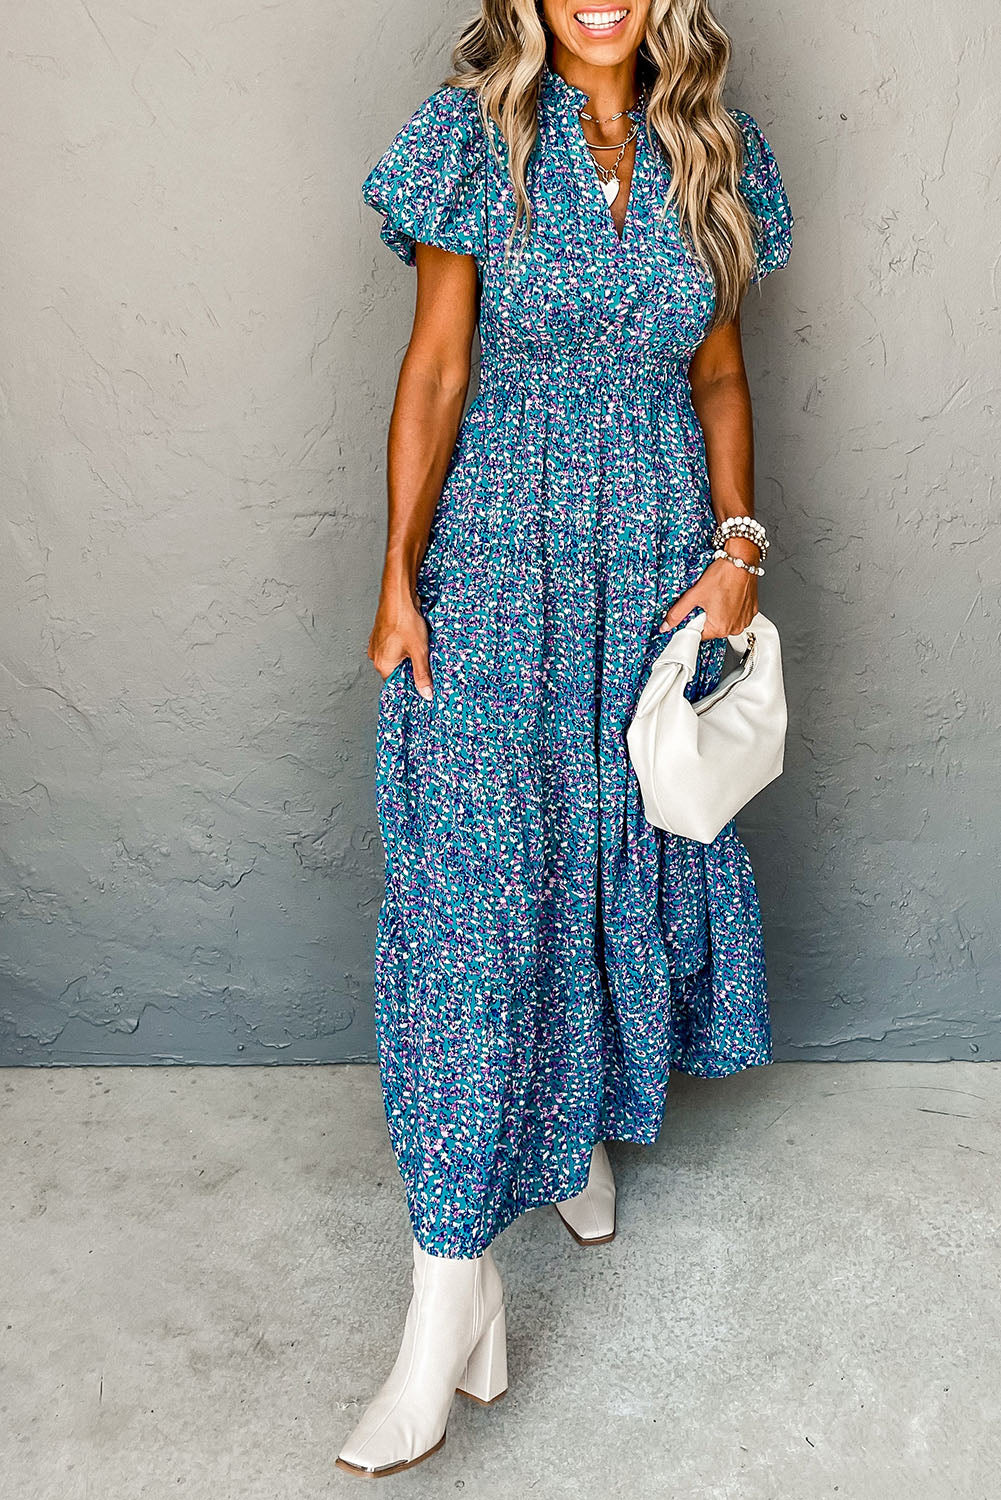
(430, 185)
(762, 187)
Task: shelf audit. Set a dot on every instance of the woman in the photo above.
(544, 955)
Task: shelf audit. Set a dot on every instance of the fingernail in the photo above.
(425, 692)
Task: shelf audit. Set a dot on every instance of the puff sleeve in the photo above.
(762, 187)
(430, 185)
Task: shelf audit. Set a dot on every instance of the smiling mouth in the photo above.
(600, 22)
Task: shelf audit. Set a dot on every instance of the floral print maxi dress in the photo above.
(544, 955)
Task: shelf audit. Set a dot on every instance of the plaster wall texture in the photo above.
(201, 335)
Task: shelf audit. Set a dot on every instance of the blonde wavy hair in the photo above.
(682, 63)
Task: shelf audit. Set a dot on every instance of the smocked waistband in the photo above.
(579, 366)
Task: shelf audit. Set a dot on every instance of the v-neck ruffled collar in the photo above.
(563, 101)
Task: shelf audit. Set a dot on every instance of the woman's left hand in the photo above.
(728, 595)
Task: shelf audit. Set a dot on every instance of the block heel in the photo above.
(485, 1376)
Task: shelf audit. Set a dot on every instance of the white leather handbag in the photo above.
(699, 763)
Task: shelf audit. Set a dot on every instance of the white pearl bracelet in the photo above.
(745, 526)
(739, 562)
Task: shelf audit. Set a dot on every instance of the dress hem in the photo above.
(576, 1182)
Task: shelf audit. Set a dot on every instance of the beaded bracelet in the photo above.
(739, 562)
(728, 522)
(742, 526)
(720, 538)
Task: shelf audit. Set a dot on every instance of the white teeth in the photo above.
(598, 20)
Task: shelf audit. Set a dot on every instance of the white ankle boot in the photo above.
(453, 1339)
(590, 1214)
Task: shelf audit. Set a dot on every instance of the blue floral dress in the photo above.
(544, 956)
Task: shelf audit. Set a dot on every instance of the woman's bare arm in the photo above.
(722, 404)
(430, 396)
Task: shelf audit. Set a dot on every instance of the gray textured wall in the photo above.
(200, 337)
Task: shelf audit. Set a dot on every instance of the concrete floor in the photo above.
(205, 1273)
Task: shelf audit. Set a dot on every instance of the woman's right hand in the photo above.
(400, 631)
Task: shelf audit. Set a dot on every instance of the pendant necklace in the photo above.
(608, 176)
